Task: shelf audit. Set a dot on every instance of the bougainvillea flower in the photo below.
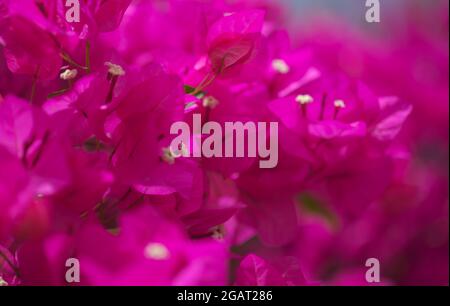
(255, 271)
(26, 133)
(156, 253)
(94, 15)
(29, 49)
(89, 174)
(233, 38)
(10, 188)
(222, 203)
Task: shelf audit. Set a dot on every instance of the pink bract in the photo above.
(87, 170)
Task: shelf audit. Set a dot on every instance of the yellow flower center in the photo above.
(304, 99)
(280, 66)
(339, 104)
(115, 70)
(69, 74)
(156, 251)
(210, 102)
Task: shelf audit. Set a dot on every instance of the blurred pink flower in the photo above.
(87, 171)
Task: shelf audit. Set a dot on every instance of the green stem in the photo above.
(9, 262)
(67, 58)
(57, 93)
(204, 83)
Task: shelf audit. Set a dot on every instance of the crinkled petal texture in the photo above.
(255, 271)
(394, 115)
(144, 115)
(232, 39)
(90, 163)
(29, 49)
(19, 122)
(10, 188)
(110, 13)
(148, 250)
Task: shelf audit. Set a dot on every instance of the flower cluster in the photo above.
(87, 172)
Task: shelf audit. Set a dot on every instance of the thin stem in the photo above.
(33, 87)
(69, 84)
(305, 110)
(209, 82)
(10, 263)
(322, 107)
(68, 59)
(40, 150)
(109, 97)
(57, 93)
(336, 112)
(114, 151)
(33, 91)
(88, 56)
(204, 83)
(61, 91)
(26, 147)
